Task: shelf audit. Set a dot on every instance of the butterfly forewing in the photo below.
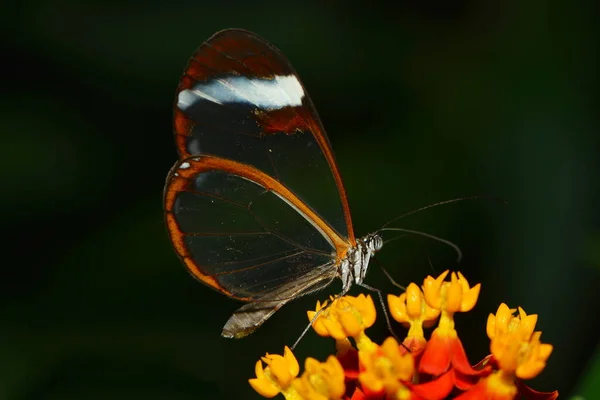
(240, 99)
(236, 232)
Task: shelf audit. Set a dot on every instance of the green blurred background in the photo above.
(423, 101)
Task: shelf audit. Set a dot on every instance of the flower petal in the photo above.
(460, 361)
(436, 357)
(436, 389)
(530, 394)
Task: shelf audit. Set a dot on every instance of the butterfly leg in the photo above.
(383, 308)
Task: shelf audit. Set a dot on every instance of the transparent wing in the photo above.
(243, 233)
(251, 316)
(240, 99)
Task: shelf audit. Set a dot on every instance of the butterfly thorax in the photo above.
(353, 267)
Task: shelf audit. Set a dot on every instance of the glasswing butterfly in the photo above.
(255, 207)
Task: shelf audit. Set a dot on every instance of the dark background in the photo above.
(423, 102)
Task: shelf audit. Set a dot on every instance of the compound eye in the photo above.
(377, 242)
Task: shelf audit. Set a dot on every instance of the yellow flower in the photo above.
(496, 386)
(515, 345)
(433, 369)
(346, 317)
(444, 349)
(411, 310)
(277, 376)
(453, 296)
(321, 381)
(504, 322)
(385, 368)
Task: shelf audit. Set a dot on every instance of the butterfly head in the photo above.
(374, 242)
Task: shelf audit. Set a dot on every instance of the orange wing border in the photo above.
(180, 180)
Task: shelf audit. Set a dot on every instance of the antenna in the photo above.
(440, 203)
(449, 243)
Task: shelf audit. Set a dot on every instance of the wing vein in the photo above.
(259, 265)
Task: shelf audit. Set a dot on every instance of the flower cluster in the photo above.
(416, 369)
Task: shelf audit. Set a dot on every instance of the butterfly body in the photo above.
(353, 268)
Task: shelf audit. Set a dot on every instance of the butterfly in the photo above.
(256, 207)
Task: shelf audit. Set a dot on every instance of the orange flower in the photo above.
(494, 387)
(321, 381)
(514, 344)
(277, 377)
(499, 386)
(384, 369)
(346, 317)
(411, 310)
(445, 349)
(517, 353)
(363, 370)
(453, 296)
(390, 371)
(504, 321)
